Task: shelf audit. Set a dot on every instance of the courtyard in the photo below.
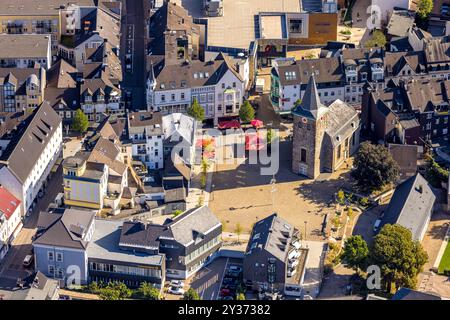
(240, 194)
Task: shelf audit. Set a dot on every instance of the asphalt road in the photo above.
(133, 42)
(11, 267)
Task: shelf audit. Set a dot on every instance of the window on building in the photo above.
(51, 270)
(339, 152)
(303, 155)
(59, 257)
(50, 256)
(295, 25)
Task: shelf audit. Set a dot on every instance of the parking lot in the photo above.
(209, 280)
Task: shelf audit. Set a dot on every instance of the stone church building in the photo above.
(323, 136)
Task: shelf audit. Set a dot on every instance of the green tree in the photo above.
(435, 174)
(246, 113)
(377, 39)
(424, 8)
(340, 196)
(148, 291)
(271, 135)
(177, 213)
(350, 212)
(364, 201)
(240, 296)
(399, 257)
(94, 287)
(296, 104)
(205, 166)
(80, 121)
(115, 291)
(191, 294)
(238, 230)
(356, 253)
(196, 111)
(374, 166)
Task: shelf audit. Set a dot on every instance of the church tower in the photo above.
(310, 123)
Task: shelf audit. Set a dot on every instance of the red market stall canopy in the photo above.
(257, 123)
(229, 124)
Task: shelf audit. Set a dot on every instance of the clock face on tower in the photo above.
(304, 120)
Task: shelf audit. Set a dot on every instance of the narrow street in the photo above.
(133, 42)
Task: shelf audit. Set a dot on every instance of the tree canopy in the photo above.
(356, 253)
(196, 111)
(191, 294)
(80, 121)
(246, 113)
(115, 291)
(377, 39)
(148, 291)
(374, 166)
(399, 257)
(424, 8)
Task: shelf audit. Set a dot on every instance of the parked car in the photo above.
(176, 290)
(28, 260)
(177, 283)
(376, 225)
(225, 292)
(235, 268)
(233, 274)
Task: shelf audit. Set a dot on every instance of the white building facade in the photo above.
(26, 164)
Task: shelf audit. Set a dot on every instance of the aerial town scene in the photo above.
(224, 150)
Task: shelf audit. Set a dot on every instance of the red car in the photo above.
(225, 292)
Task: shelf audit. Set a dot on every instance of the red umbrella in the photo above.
(257, 123)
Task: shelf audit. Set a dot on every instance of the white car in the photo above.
(176, 290)
(177, 283)
(28, 260)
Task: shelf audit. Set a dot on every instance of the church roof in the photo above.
(310, 106)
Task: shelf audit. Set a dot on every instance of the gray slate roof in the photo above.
(410, 205)
(30, 140)
(68, 230)
(342, 119)
(271, 234)
(105, 245)
(310, 104)
(193, 223)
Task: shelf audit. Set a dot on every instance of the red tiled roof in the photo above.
(8, 203)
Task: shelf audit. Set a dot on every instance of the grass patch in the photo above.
(444, 265)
